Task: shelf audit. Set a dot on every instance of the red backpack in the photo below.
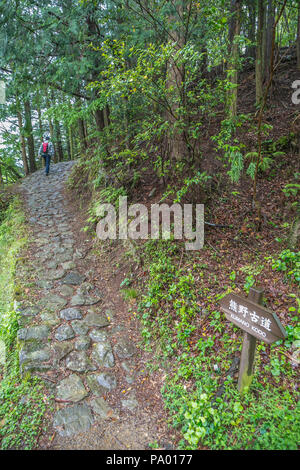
(45, 148)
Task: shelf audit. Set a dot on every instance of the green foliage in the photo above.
(266, 417)
(22, 400)
(288, 262)
(291, 189)
(22, 409)
(199, 179)
(232, 147)
(129, 294)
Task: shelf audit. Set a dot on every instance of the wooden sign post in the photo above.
(257, 323)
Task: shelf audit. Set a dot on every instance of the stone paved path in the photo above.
(65, 334)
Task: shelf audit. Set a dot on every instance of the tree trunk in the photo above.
(71, 140)
(251, 50)
(298, 39)
(51, 128)
(29, 134)
(106, 116)
(294, 232)
(93, 33)
(23, 144)
(99, 118)
(269, 34)
(40, 117)
(60, 154)
(82, 136)
(175, 81)
(82, 131)
(259, 52)
(232, 70)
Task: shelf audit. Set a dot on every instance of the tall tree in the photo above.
(22, 140)
(269, 35)
(233, 62)
(29, 136)
(259, 51)
(298, 38)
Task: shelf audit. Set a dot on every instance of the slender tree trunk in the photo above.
(30, 140)
(269, 34)
(175, 81)
(1, 177)
(298, 38)
(60, 154)
(100, 120)
(106, 116)
(40, 118)
(259, 52)
(93, 32)
(57, 135)
(68, 140)
(255, 201)
(264, 37)
(23, 144)
(82, 136)
(251, 50)
(82, 131)
(51, 128)
(234, 32)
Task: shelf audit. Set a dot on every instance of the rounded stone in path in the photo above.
(73, 420)
(101, 408)
(125, 348)
(64, 257)
(64, 332)
(71, 389)
(102, 354)
(51, 265)
(70, 314)
(50, 318)
(36, 353)
(53, 274)
(44, 284)
(34, 333)
(78, 361)
(102, 383)
(82, 343)
(79, 327)
(98, 336)
(107, 381)
(66, 291)
(94, 318)
(85, 288)
(68, 265)
(53, 301)
(130, 402)
(77, 300)
(73, 278)
(92, 300)
(29, 311)
(60, 350)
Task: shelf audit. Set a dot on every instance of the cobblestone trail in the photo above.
(66, 336)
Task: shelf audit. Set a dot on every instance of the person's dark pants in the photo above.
(47, 159)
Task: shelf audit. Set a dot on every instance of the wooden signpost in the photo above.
(257, 323)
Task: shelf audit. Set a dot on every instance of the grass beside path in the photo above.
(22, 401)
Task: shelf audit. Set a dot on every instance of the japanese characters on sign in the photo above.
(253, 318)
(261, 322)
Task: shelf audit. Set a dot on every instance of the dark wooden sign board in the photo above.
(257, 323)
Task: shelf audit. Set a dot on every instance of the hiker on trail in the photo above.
(46, 151)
